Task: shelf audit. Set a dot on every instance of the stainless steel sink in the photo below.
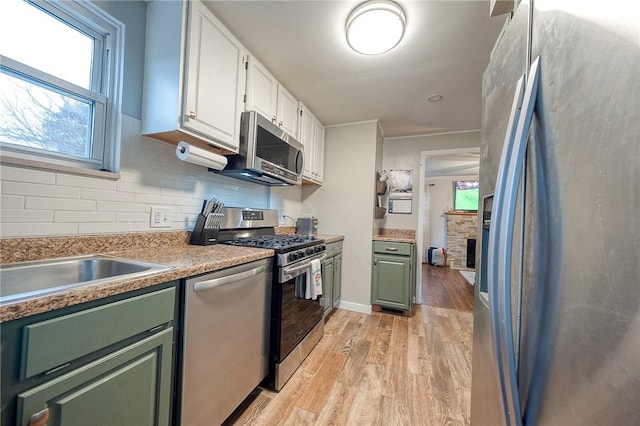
(26, 280)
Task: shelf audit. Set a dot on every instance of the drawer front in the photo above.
(334, 248)
(55, 342)
(388, 247)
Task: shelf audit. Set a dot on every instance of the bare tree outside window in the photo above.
(38, 118)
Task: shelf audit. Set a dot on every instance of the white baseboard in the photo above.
(355, 307)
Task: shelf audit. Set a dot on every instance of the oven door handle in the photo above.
(217, 282)
(289, 271)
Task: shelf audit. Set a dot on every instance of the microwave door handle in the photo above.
(299, 163)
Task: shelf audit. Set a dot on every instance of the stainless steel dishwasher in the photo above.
(225, 340)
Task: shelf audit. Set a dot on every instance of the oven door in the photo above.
(298, 315)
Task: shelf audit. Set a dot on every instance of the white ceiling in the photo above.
(445, 50)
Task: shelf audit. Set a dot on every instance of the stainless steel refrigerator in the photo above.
(557, 300)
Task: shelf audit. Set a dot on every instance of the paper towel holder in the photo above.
(200, 156)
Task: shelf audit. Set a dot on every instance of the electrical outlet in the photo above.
(161, 217)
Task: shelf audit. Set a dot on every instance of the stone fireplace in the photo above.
(461, 227)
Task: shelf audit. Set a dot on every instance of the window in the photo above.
(60, 82)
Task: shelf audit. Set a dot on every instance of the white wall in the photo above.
(43, 203)
(344, 204)
(404, 154)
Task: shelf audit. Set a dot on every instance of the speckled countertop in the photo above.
(167, 248)
(396, 235)
(185, 260)
(330, 238)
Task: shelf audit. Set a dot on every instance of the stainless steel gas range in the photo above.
(296, 320)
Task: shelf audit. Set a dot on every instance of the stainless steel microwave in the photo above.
(267, 155)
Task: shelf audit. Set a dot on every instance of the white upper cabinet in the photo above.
(307, 135)
(270, 98)
(312, 137)
(194, 76)
(318, 157)
(287, 112)
(262, 90)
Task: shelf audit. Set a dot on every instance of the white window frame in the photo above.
(105, 92)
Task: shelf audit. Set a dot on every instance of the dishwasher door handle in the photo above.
(217, 282)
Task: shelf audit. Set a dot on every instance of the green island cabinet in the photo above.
(109, 363)
(393, 274)
(332, 277)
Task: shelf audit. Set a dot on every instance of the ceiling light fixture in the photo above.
(375, 27)
(434, 98)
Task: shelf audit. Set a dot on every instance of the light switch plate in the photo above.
(161, 217)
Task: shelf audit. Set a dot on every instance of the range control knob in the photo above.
(318, 249)
(292, 257)
(309, 251)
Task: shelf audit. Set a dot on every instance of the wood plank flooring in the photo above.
(444, 287)
(381, 369)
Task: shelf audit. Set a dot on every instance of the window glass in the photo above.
(37, 117)
(37, 39)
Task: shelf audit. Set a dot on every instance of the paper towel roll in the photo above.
(202, 157)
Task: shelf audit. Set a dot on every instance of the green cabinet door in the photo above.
(129, 387)
(391, 281)
(337, 279)
(327, 285)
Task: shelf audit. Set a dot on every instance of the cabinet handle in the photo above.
(280, 123)
(192, 115)
(273, 119)
(375, 262)
(40, 418)
(391, 249)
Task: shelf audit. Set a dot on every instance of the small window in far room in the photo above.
(60, 83)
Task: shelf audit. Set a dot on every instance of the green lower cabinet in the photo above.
(332, 276)
(327, 284)
(129, 387)
(392, 280)
(337, 279)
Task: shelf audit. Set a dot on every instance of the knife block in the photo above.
(204, 236)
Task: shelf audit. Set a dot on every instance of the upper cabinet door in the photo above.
(215, 79)
(262, 90)
(287, 112)
(318, 152)
(306, 135)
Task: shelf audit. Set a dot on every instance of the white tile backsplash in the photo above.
(39, 190)
(88, 217)
(97, 194)
(33, 229)
(84, 182)
(22, 216)
(16, 174)
(46, 203)
(11, 202)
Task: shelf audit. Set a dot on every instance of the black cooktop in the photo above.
(279, 243)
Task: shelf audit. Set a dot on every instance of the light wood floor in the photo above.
(378, 369)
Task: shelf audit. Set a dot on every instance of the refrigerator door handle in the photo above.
(495, 234)
(503, 262)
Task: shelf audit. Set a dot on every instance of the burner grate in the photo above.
(276, 242)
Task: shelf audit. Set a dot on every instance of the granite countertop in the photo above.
(394, 239)
(330, 238)
(167, 248)
(184, 260)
